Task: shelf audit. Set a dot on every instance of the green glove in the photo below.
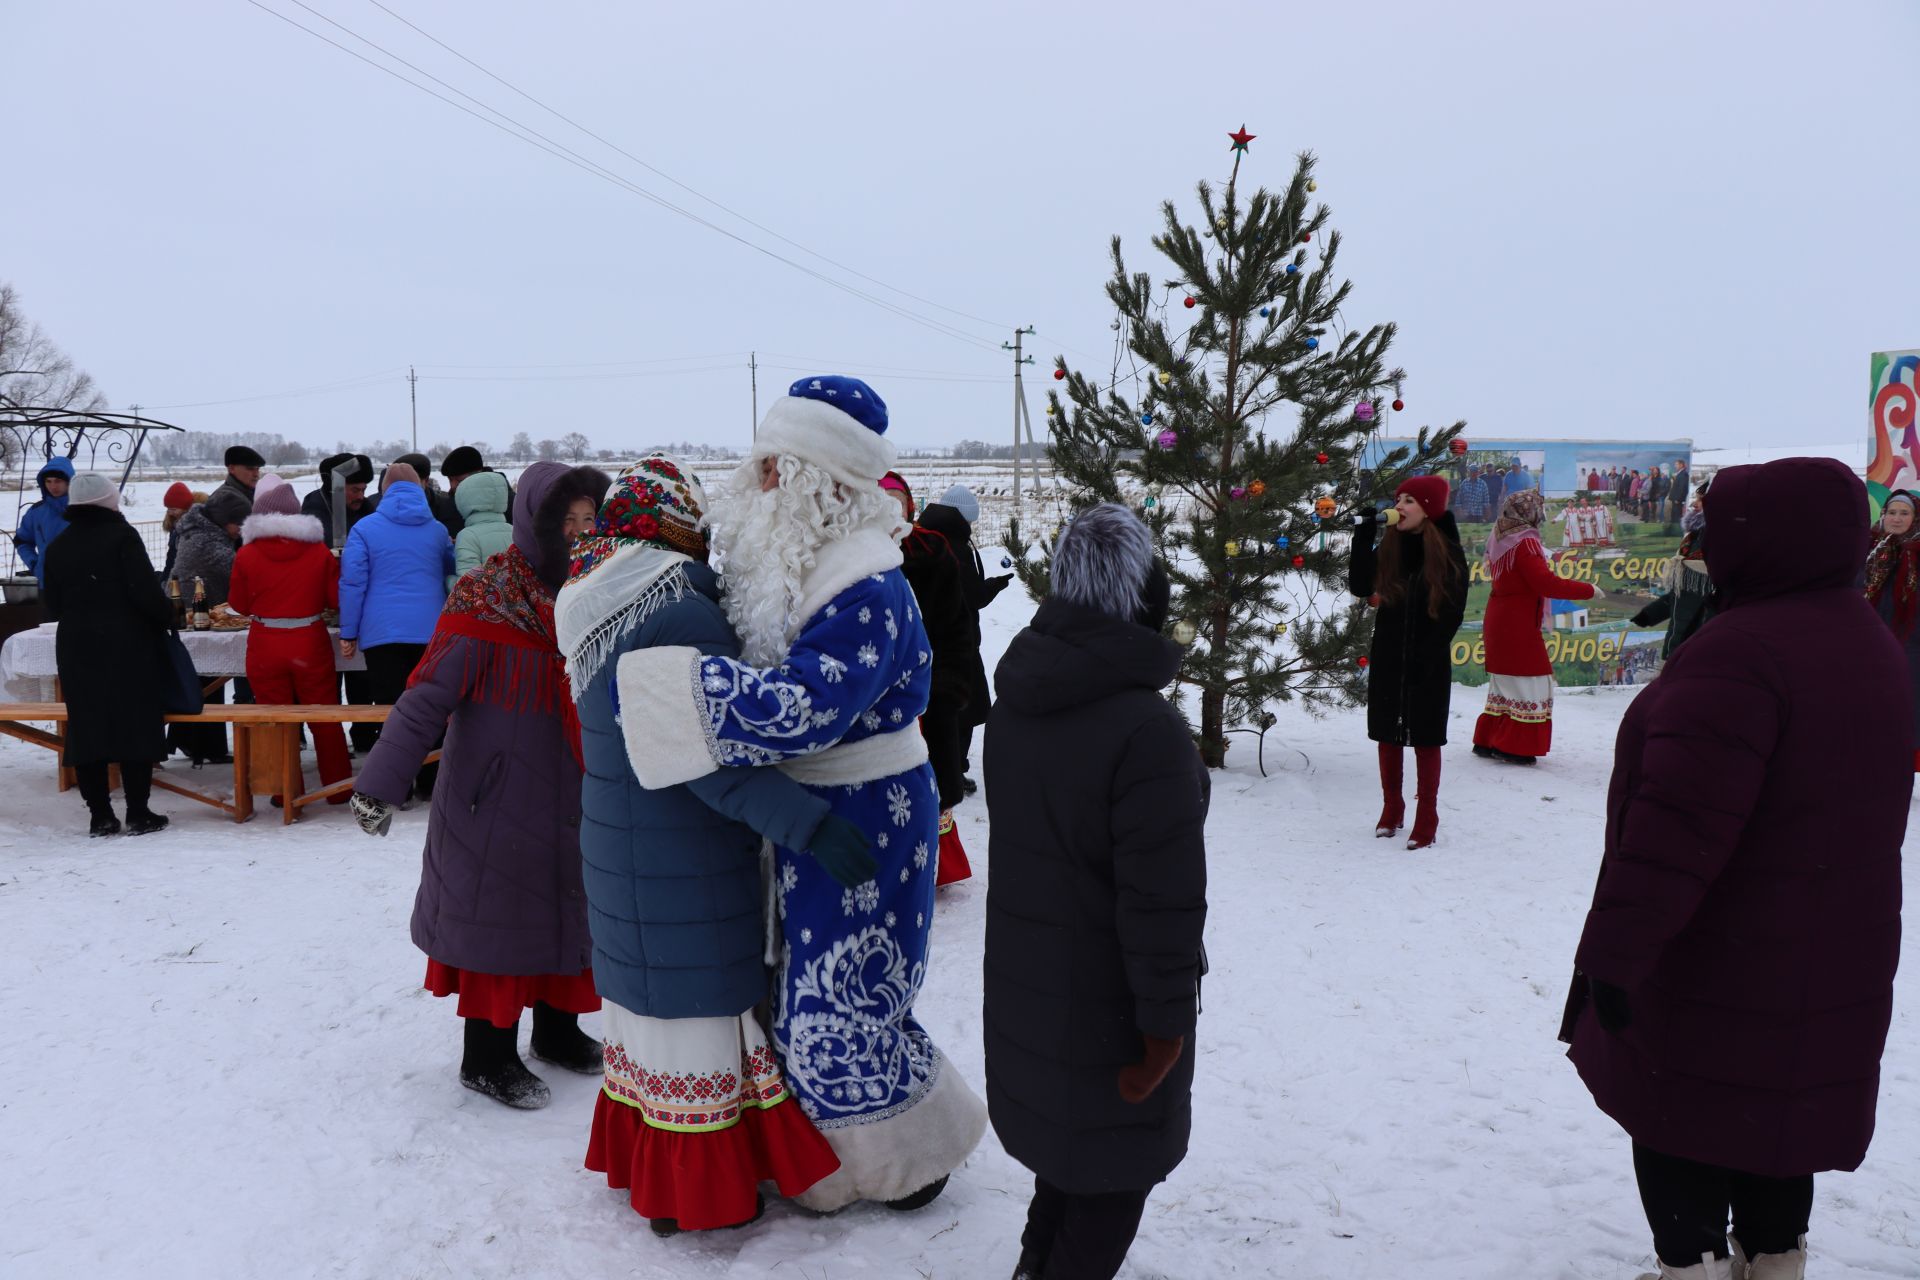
(844, 850)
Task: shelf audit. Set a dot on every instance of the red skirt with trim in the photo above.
(953, 866)
(500, 997)
(706, 1180)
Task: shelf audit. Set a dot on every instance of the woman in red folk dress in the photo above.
(1517, 724)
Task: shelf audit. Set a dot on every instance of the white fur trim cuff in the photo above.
(825, 436)
(895, 1157)
(298, 528)
(662, 719)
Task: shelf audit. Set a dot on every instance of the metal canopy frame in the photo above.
(40, 435)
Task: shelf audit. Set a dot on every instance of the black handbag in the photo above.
(182, 694)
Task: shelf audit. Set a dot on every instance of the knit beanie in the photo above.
(463, 461)
(894, 482)
(961, 499)
(226, 507)
(178, 498)
(1429, 491)
(90, 490)
(275, 497)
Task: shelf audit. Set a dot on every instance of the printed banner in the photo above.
(1613, 520)
(1893, 396)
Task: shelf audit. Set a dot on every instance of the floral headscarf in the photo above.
(1894, 563)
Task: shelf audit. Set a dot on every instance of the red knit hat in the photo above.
(1430, 492)
(178, 498)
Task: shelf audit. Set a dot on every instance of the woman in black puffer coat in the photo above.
(1095, 901)
(1417, 579)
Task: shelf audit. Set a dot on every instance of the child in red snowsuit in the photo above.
(283, 577)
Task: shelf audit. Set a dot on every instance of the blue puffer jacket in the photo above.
(393, 571)
(44, 521)
(673, 876)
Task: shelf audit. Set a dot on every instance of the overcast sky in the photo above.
(1637, 219)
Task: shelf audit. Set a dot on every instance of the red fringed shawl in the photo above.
(514, 662)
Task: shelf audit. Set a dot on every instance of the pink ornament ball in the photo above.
(1239, 492)
(1364, 411)
(1167, 439)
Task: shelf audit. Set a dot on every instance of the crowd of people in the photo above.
(700, 760)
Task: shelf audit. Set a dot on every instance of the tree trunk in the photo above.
(1213, 700)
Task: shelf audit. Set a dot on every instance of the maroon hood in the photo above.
(1799, 524)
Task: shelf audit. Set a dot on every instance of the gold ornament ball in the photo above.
(1183, 631)
(1279, 628)
(1312, 185)
(1165, 377)
(1233, 548)
(1222, 224)
(1049, 411)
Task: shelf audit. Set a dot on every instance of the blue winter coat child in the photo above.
(44, 521)
(673, 875)
(393, 571)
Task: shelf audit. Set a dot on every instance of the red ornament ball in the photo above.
(1298, 561)
(1320, 458)
(1458, 446)
(1190, 302)
(1306, 237)
(1398, 405)
(1058, 374)
(1363, 663)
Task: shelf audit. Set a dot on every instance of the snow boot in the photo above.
(1791, 1265)
(1393, 811)
(919, 1199)
(1426, 814)
(1708, 1268)
(1508, 757)
(492, 1066)
(1485, 753)
(103, 823)
(557, 1038)
(144, 822)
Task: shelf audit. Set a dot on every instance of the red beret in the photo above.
(1430, 492)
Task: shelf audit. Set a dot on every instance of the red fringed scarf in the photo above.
(515, 661)
(1894, 565)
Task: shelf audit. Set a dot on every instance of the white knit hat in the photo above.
(90, 490)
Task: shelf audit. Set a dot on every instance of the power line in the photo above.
(534, 138)
(559, 115)
(325, 388)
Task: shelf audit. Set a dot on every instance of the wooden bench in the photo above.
(270, 763)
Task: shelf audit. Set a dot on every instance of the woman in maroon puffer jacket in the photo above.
(1735, 978)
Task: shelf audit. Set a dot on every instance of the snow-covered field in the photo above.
(219, 1061)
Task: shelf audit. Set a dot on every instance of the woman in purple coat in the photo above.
(501, 913)
(1735, 977)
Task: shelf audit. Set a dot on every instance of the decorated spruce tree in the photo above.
(1238, 436)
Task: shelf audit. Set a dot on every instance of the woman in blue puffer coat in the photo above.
(393, 583)
(694, 1112)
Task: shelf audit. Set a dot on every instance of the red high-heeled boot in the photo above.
(1426, 790)
(1392, 778)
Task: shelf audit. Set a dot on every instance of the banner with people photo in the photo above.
(1613, 520)
(1893, 424)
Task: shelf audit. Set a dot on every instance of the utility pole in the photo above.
(413, 402)
(1019, 417)
(753, 369)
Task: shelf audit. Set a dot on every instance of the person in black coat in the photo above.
(1096, 901)
(1417, 579)
(103, 592)
(953, 518)
(933, 571)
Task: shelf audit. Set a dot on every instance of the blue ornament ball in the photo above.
(1280, 541)
(1293, 268)
(1313, 344)
(1146, 419)
(1265, 312)
(1006, 562)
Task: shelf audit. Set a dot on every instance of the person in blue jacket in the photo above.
(46, 519)
(672, 878)
(393, 583)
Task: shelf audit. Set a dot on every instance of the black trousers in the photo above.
(388, 666)
(136, 782)
(1079, 1237)
(1687, 1204)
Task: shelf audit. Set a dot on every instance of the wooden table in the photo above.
(269, 761)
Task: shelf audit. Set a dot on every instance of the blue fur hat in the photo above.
(837, 423)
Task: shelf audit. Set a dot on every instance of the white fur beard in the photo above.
(765, 543)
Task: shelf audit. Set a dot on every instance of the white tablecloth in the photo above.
(27, 668)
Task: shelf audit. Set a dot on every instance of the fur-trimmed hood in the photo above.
(269, 528)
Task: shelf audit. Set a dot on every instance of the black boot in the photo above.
(557, 1038)
(144, 822)
(492, 1066)
(919, 1199)
(103, 824)
(136, 781)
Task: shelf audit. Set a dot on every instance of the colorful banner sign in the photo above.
(1893, 434)
(1613, 521)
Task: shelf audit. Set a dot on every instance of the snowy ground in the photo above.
(219, 1061)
